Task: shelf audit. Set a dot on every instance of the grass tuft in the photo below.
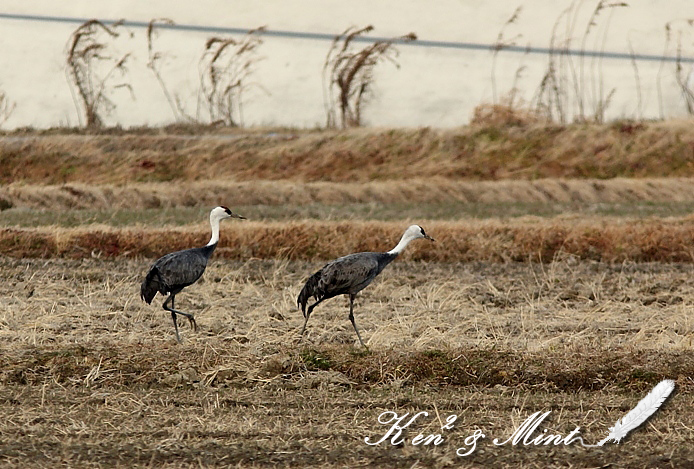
(314, 360)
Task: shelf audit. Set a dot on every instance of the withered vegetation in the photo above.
(578, 312)
(91, 67)
(156, 58)
(85, 361)
(7, 107)
(567, 194)
(226, 66)
(477, 152)
(348, 74)
(604, 239)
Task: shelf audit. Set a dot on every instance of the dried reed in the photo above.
(431, 192)
(348, 74)
(91, 68)
(225, 68)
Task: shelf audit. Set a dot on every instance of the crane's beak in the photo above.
(429, 238)
(236, 215)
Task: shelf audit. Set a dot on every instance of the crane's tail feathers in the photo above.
(310, 289)
(150, 286)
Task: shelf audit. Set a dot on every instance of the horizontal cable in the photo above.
(371, 39)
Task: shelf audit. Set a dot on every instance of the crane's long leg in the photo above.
(351, 318)
(191, 318)
(178, 337)
(174, 312)
(308, 314)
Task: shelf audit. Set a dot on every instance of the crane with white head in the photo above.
(173, 272)
(350, 274)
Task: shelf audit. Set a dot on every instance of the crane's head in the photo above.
(411, 233)
(416, 231)
(222, 212)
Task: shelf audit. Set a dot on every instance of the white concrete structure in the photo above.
(434, 86)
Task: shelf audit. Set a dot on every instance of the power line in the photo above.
(372, 39)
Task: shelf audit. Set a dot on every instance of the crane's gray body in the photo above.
(173, 272)
(346, 275)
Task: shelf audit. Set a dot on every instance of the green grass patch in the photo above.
(315, 360)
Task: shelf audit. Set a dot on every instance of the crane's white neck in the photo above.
(214, 223)
(404, 241)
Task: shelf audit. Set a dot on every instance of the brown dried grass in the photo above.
(427, 191)
(90, 376)
(522, 239)
(477, 152)
(417, 319)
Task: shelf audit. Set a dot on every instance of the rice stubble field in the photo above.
(575, 305)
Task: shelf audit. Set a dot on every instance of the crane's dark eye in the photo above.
(226, 210)
(422, 230)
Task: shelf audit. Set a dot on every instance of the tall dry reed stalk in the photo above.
(91, 67)
(155, 62)
(6, 108)
(225, 68)
(570, 91)
(348, 74)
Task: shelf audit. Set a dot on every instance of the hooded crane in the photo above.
(173, 272)
(350, 274)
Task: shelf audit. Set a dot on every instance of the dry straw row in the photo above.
(524, 239)
(429, 191)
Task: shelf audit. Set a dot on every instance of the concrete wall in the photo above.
(434, 86)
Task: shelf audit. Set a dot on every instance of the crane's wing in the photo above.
(349, 273)
(151, 285)
(179, 269)
(346, 275)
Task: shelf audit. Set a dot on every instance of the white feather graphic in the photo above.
(639, 414)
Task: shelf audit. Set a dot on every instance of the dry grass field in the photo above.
(91, 376)
(553, 286)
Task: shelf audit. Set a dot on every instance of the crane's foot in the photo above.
(192, 322)
(362, 343)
